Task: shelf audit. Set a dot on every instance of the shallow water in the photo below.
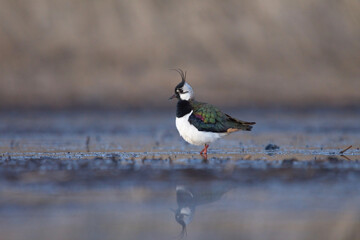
(127, 175)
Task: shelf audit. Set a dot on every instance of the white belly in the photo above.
(193, 136)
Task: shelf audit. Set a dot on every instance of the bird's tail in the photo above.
(246, 126)
(242, 125)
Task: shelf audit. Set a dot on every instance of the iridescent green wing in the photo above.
(206, 117)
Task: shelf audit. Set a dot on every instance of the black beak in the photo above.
(172, 97)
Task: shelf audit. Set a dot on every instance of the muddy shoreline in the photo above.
(78, 175)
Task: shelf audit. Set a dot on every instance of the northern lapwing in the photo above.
(200, 123)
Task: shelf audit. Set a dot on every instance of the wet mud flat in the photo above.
(128, 175)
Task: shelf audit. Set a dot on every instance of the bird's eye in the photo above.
(180, 90)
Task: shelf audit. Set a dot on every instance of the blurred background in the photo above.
(117, 54)
(80, 165)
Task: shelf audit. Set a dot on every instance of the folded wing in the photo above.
(206, 117)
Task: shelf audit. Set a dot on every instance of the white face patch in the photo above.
(188, 92)
(187, 214)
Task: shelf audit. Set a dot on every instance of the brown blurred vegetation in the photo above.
(116, 53)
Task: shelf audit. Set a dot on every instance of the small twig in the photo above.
(88, 143)
(345, 157)
(341, 152)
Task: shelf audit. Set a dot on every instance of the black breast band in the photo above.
(183, 108)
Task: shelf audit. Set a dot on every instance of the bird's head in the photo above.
(183, 90)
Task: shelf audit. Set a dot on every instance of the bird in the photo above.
(200, 123)
(190, 196)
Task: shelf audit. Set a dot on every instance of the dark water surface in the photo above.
(128, 175)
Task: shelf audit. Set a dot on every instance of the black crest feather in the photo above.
(183, 77)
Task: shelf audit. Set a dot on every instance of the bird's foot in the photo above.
(204, 158)
(204, 151)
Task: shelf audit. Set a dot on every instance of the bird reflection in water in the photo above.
(188, 198)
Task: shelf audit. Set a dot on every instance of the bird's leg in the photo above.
(206, 147)
(204, 151)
